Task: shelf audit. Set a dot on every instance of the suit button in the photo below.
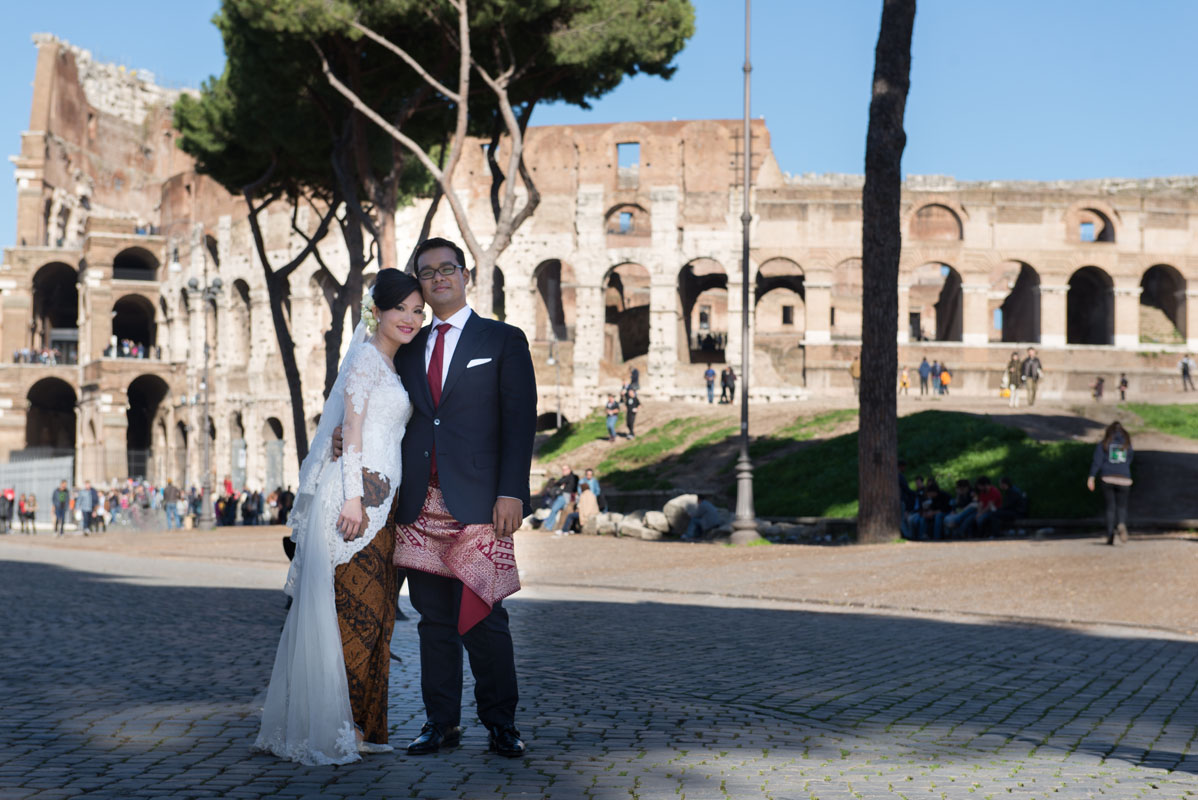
(426, 454)
(436, 422)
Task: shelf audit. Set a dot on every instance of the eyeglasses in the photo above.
(428, 273)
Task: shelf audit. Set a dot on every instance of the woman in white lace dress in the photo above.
(327, 700)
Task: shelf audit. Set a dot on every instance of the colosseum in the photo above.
(631, 260)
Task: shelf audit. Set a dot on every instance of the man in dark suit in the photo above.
(467, 454)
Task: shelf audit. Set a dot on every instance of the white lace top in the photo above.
(377, 411)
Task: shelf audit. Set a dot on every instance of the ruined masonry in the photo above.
(632, 260)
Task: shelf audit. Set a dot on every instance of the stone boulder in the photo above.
(678, 512)
(608, 524)
(634, 529)
(657, 521)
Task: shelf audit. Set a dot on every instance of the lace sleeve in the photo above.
(357, 395)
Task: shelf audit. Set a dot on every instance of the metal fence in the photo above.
(38, 476)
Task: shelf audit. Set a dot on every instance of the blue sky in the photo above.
(1031, 89)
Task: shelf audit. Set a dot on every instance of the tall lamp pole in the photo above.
(207, 295)
(744, 525)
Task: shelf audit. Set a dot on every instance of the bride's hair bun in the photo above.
(392, 287)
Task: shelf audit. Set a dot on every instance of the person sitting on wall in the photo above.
(704, 518)
(1014, 504)
(566, 486)
(965, 507)
(936, 506)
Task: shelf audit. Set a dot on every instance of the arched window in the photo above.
(1090, 307)
(936, 222)
(135, 264)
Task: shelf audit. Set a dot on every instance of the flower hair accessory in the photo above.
(368, 313)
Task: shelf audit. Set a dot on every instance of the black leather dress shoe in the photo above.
(432, 739)
(506, 741)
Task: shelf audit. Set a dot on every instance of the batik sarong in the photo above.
(367, 588)
(439, 544)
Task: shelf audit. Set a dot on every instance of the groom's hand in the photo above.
(507, 516)
(337, 443)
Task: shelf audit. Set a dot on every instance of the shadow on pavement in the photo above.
(120, 689)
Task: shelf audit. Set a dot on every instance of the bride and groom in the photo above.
(420, 461)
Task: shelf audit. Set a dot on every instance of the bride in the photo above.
(327, 700)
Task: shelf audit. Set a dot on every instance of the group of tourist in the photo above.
(127, 348)
(727, 384)
(631, 402)
(252, 506)
(23, 508)
(975, 510)
(32, 355)
(575, 499)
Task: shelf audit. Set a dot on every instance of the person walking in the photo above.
(730, 377)
(1012, 380)
(612, 410)
(709, 378)
(1186, 365)
(904, 381)
(170, 499)
(1030, 372)
(31, 513)
(85, 501)
(1123, 385)
(936, 379)
(1112, 465)
(1099, 382)
(60, 499)
(631, 405)
(925, 372)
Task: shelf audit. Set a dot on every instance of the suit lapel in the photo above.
(414, 371)
(468, 343)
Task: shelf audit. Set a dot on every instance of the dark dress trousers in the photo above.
(483, 432)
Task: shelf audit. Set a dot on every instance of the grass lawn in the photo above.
(821, 480)
(801, 430)
(636, 465)
(573, 436)
(1176, 420)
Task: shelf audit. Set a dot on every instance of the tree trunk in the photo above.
(275, 290)
(877, 444)
(483, 285)
(347, 296)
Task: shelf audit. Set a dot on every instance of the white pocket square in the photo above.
(475, 362)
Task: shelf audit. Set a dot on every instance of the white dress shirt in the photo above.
(458, 321)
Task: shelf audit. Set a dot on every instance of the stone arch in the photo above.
(181, 454)
(1020, 309)
(556, 302)
(50, 415)
(1162, 305)
(213, 248)
(273, 446)
(135, 264)
(241, 322)
(780, 298)
(703, 310)
(936, 222)
(145, 394)
(55, 323)
(845, 312)
(626, 313)
(548, 421)
(935, 296)
(628, 225)
(133, 326)
(1090, 307)
(1090, 221)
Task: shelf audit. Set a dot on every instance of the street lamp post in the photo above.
(744, 524)
(207, 295)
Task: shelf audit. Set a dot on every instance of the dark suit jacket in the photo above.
(483, 429)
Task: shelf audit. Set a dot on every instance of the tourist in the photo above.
(1123, 384)
(925, 372)
(1030, 372)
(60, 499)
(855, 375)
(989, 500)
(631, 404)
(85, 503)
(709, 379)
(728, 384)
(170, 498)
(586, 508)
(936, 378)
(936, 506)
(904, 381)
(563, 489)
(1012, 379)
(1186, 365)
(1096, 388)
(1112, 464)
(946, 378)
(964, 509)
(612, 409)
(1014, 504)
(705, 517)
(21, 511)
(30, 514)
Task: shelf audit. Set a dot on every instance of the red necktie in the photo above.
(434, 375)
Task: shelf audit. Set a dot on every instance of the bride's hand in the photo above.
(349, 524)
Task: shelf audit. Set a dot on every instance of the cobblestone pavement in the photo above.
(131, 676)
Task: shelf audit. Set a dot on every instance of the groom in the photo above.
(467, 454)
